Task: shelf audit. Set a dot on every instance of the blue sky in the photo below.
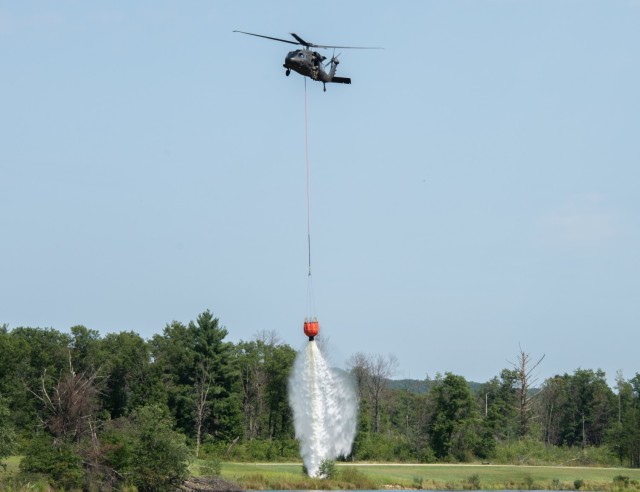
(474, 189)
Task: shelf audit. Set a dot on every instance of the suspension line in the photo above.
(306, 145)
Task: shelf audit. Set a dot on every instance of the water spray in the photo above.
(324, 407)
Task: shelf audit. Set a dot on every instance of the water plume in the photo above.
(324, 409)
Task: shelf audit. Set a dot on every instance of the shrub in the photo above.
(528, 482)
(621, 481)
(532, 452)
(58, 461)
(250, 450)
(417, 483)
(147, 451)
(427, 455)
(578, 483)
(327, 469)
(356, 478)
(210, 468)
(473, 482)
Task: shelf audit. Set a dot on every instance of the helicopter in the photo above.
(309, 63)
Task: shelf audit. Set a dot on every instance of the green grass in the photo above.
(379, 476)
(283, 476)
(12, 463)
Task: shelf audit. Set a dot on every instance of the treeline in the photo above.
(118, 409)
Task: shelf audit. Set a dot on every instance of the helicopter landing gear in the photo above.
(288, 72)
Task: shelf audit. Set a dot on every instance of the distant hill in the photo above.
(422, 386)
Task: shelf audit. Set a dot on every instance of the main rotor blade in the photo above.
(348, 47)
(302, 41)
(268, 37)
(311, 45)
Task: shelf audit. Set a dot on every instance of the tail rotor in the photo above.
(334, 65)
(334, 60)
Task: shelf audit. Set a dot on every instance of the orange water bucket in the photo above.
(311, 328)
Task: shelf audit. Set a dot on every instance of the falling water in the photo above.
(324, 409)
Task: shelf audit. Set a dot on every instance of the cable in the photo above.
(306, 145)
(311, 308)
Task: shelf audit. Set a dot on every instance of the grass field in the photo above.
(12, 463)
(441, 477)
(289, 476)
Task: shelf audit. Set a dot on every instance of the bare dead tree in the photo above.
(358, 365)
(254, 381)
(380, 370)
(372, 373)
(269, 337)
(70, 406)
(202, 387)
(524, 368)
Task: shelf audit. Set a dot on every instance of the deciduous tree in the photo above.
(7, 432)
(455, 429)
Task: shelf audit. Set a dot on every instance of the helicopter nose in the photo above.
(292, 60)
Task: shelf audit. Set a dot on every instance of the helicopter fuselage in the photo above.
(307, 63)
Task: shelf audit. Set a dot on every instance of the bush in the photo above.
(327, 469)
(532, 452)
(577, 484)
(621, 481)
(147, 451)
(210, 468)
(427, 456)
(529, 483)
(57, 461)
(25, 481)
(250, 450)
(355, 477)
(473, 482)
(378, 447)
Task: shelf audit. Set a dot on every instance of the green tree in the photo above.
(624, 434)
(189, 355)
(455, 428)
(27, 355)
(250, 358)
(577, 408)
(216, 355)
(278, 366)
(265, 366)
(132, 379)
(405, 423)
(85, 346)
(7, 432)
(499, 400)
(174, 357)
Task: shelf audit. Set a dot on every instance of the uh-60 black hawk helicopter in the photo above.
(309, 63)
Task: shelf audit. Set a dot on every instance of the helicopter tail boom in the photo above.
(341, 80)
